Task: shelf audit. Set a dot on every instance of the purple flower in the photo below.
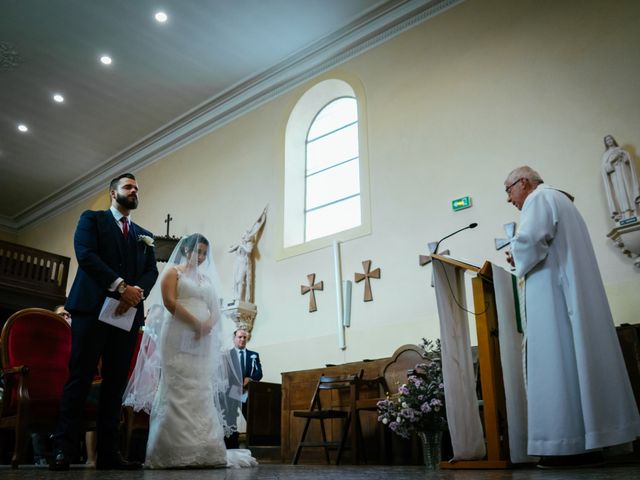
(409, 414)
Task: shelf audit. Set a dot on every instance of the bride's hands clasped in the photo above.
(204, 328)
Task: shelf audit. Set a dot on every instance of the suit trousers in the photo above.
(91, 340)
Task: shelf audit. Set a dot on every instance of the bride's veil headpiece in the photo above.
(192, 263)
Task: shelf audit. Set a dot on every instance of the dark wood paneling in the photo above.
(263, 413)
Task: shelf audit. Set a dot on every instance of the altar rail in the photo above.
(28, 273)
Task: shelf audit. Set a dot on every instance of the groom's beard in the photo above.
(130, 202)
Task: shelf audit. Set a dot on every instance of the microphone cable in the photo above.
(454, 297)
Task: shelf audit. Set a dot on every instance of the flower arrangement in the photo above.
(419, 404)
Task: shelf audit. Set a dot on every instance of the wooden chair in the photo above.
(36, 346)
(368, 392)
(344, 384)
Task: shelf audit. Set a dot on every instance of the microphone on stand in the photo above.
(471, 225)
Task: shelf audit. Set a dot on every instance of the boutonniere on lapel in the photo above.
(147, 240)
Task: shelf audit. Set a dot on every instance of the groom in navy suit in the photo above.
(248, 363)
(116, 260)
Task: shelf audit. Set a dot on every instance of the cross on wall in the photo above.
(366, 276)
(168, 222)
(510, 232)
(312, 287)
(426, 259)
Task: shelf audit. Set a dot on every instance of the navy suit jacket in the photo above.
(252, 365)
(102, 252)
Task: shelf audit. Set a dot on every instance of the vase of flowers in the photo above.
(418, 406)
(431, 441)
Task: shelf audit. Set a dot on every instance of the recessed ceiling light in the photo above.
(23, 128)
(161, 17)
(58, 98)
(106, 59)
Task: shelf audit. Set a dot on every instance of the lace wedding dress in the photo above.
(185, 429)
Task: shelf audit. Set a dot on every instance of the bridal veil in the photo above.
(192, 260)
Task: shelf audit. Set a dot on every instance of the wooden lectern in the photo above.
(493, 416)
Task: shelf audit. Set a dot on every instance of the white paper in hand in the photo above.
(108, 315)
(235, 392)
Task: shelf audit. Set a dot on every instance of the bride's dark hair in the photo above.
(189, 244)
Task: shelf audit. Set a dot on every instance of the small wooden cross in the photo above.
(510, 231)
(426, 259)
(311, 288)
(168, 221)
(368, 296)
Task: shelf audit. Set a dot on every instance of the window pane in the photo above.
(335, 115)
(333, 218)
(334, 148)
(333, 184)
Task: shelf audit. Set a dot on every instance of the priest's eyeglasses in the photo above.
(508, 189)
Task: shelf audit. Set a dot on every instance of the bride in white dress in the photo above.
(184, 376)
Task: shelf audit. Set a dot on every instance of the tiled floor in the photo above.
(308, 472)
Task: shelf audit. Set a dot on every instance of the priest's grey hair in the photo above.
(524, 172)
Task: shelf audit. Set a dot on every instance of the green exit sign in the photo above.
(461, 203)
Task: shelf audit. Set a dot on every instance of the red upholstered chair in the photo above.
(35, 346)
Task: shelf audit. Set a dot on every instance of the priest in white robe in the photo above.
(579, 395)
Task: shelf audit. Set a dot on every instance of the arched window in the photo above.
(332, 175)
(325, 171)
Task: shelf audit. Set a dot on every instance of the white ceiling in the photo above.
(169, 83)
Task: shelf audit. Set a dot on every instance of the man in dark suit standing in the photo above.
(116, 260)
(248, 363)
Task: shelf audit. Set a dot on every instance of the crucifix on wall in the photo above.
(164, 245)
(168, 222)
(311, 288)
(368, 296)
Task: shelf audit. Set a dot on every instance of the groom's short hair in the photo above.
(114, 183)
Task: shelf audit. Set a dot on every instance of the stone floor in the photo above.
(308, 472)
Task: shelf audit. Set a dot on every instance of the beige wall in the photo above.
(452, 105)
